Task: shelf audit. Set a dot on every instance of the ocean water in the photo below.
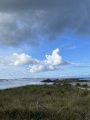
(11, 83)
(84, 78)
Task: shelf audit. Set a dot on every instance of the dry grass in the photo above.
(64, 102)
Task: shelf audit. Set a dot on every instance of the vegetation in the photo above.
(78, 84)
(56, 102)
(85, 85)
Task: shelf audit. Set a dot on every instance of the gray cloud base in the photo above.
(29, 21)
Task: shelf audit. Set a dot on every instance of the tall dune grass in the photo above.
(56, 102)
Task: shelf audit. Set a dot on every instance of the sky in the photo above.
(44, 38)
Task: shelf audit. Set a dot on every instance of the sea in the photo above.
(12, 83)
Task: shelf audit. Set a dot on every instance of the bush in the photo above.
(84, 85)
(85, 92)
(78, 84)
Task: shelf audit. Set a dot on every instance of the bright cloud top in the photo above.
(24, 59)
(54, 59)
(52, 62)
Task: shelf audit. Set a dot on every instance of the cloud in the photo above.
(24, 59)
(29, 21)
(80, 65)
(54, 59)
(51, 63)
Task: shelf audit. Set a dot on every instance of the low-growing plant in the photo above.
(85, 92)
(78, 84)
(85, 85)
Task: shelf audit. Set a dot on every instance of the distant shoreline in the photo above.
(13, 83)
(66, 80)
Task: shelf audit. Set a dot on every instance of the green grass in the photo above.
(64, 102)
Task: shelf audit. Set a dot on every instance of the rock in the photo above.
(47, 80)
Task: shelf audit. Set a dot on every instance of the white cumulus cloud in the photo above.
(51, 63)
(24, 59)
(54, 59)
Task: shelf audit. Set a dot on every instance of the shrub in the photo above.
(84, 85)
(78, 84)
(85, 93)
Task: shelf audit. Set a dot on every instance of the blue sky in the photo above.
(44, 39)
(74, 50)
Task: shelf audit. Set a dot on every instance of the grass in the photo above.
(56, 102)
